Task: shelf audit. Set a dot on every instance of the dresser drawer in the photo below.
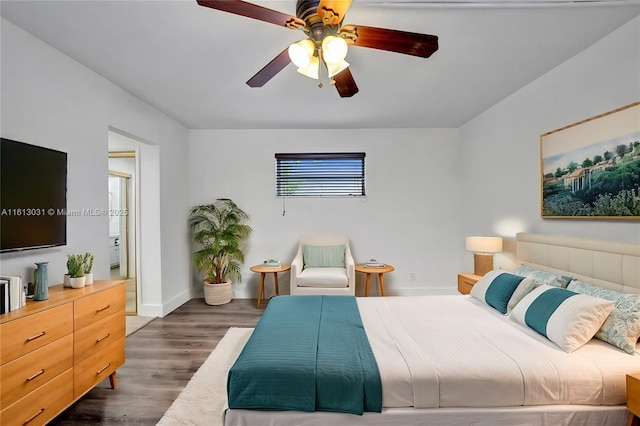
(466, 282)
(98, 306)
(31, 332)
(94, 337)
(97, 367)
(41, 405)
(29, 372)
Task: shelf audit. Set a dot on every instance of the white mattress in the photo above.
(453, 351)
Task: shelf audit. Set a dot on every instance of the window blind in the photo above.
(320, 174)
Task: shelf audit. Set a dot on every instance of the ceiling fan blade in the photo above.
(345, 84)
(250, 10)
(416, 44)
(332, 11)
(269, 71)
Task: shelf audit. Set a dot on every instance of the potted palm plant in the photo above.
(219, 232)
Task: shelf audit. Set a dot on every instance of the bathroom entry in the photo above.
(122, 235)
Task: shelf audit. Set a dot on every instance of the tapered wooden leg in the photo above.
(275, 281)
(366, 288)
(113, 380)
(381, 281)
(261, 289)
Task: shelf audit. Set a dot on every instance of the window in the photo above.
(320, 174)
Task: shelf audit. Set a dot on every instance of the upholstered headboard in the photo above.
(609, 264)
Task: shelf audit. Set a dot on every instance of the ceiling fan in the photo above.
(328, 38)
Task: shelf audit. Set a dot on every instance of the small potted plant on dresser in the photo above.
(87, 264)
(219, 232)
(75, 267)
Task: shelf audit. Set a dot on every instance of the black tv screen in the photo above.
(33, 196)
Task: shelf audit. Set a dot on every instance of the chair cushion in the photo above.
(323, 277)
(323, 256)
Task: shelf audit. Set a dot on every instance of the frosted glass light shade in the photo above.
(334, 50)
(484, 244)
(333, 69)
(312, 70)
(301, 52)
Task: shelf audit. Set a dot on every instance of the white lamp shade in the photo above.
(301, 52)
(334, 50)
(333, 69)
(312, 70)
(484, 244)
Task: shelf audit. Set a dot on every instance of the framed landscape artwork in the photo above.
(591, 169)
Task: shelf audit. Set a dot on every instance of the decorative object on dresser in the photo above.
(75, 267)
(54, 351)
(219, 232)
(483, 248)
(87, 264)
(467, 281)
(41, 285)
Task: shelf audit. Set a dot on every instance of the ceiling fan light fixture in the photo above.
(312, 70)
(302, 52)
(334, 69)
(334, 50)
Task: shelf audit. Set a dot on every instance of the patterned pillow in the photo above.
(622, 328)
(566, 318)
(323, 256)
(543, 277)
(497, 289)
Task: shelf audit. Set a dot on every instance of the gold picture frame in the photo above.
(591, 169)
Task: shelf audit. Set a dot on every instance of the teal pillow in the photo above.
(323, 256)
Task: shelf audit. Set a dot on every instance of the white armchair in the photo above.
(323, 265)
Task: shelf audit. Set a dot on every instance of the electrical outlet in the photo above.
(412, 276)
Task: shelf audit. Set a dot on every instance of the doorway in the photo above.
(122, 222)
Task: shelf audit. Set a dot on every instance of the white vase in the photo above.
(67, 280)
(77, 282)
(88, 278)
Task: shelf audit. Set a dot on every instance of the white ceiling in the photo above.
(192, 62)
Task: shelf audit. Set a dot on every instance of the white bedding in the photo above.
(454, 351)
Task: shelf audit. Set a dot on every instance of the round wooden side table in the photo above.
(264, 270)
(379, 270)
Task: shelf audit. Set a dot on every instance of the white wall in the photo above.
(409, 219)
(48, 99)
(501, 147)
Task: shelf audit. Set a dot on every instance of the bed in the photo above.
(458, 360)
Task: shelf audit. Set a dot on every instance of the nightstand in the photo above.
(466, 282)
(633, 398)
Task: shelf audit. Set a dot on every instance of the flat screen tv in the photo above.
(33, 196)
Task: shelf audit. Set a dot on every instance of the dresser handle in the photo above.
(33, 417)
(102, 309)
(102, 338)
(103, 368)
(35, 375)
(42, 333)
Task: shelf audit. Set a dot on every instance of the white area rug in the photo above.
(136, 322)
(203, 399)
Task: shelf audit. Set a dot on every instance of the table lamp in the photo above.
(483, 248)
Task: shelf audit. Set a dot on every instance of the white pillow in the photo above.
(566, 318)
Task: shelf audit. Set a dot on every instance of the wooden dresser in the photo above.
(54, 351)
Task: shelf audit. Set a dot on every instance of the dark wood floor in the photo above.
(160, 359)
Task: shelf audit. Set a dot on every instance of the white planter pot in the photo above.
(67, 280)
(88, 278)
(218, 294)
(77, 282)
